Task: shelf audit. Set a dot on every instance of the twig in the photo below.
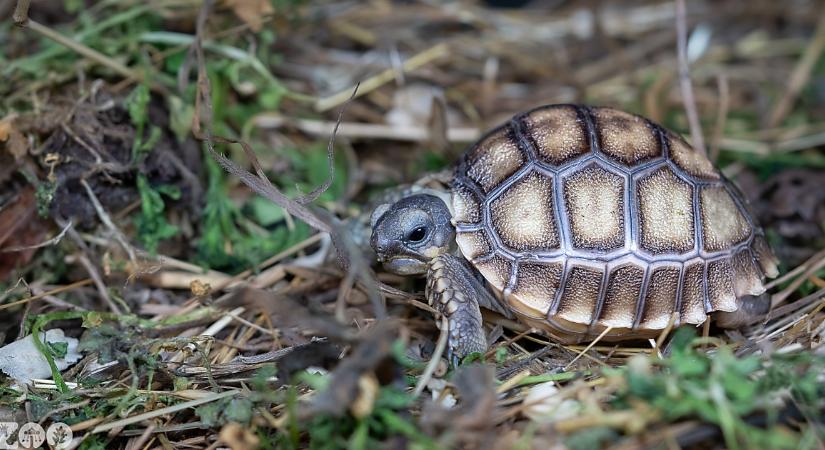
(104, 217)
(370, 84)
(21, 13)
(797, 270)
(312, 196)
(721, 115)
(54, 291)
(589, 346)
(53, 241)
(697, 140)
(813, 265)
(163, 411)
(440, 345)
(409, 133)
(801, 74)
(92, 271)
(674, 317)
(89, 53)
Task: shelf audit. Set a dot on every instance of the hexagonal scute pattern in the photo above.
(523, 215)
(535, 287)
(665, 213)
(493, 159)
(688, 159)
(558, 133)
(579, 279)
(723, 224)
(626, 138)
(594, 204)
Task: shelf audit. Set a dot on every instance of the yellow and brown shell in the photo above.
(587, 218)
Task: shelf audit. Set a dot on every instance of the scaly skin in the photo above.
(454, 292)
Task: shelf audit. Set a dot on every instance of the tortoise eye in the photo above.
(417, 235)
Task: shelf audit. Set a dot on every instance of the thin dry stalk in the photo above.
(440, 346)
(721, 115)
(696, 137)
(801, 74)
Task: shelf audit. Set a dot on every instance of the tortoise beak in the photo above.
(406, 265)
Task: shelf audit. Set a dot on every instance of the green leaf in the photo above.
(57, 349)
(137, 104)
(210, 414)
(239, 410)
(152, 226)
(180, 117)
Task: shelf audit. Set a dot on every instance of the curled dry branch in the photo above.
(348, 253)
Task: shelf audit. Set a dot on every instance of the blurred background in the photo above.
(435, 75)
(108, 204)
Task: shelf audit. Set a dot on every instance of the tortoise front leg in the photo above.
(455, 293)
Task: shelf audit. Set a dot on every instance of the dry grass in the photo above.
(213, 319)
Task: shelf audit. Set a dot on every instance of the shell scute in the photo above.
(594, 203)
(524, 215)
(588, 218)
(559, 134)
(626, 138)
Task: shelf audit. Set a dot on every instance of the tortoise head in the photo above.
(407, 234)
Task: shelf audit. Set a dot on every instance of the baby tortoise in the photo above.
(578, 219)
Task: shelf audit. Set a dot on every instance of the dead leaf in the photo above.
(367, 392)
(253, 12)
(15, 142)
(474, 416)
(238, 437)
(20, 226)
(6, 127)
(345, 387)
(287, 313)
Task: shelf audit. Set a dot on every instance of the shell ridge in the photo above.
(705, 292)
(565, 239)
(511, 282)
(523, 140)
(471, 185)
(680, 285)
(554, 306)
(586, 115)
(664, 140)
(597, 310)
(641, 300)
(698, 225)
(507, 183)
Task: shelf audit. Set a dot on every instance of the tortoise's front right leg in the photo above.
(455, 293)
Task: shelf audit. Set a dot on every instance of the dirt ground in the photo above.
(171, 173)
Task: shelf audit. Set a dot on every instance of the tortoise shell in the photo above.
(587, 218)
